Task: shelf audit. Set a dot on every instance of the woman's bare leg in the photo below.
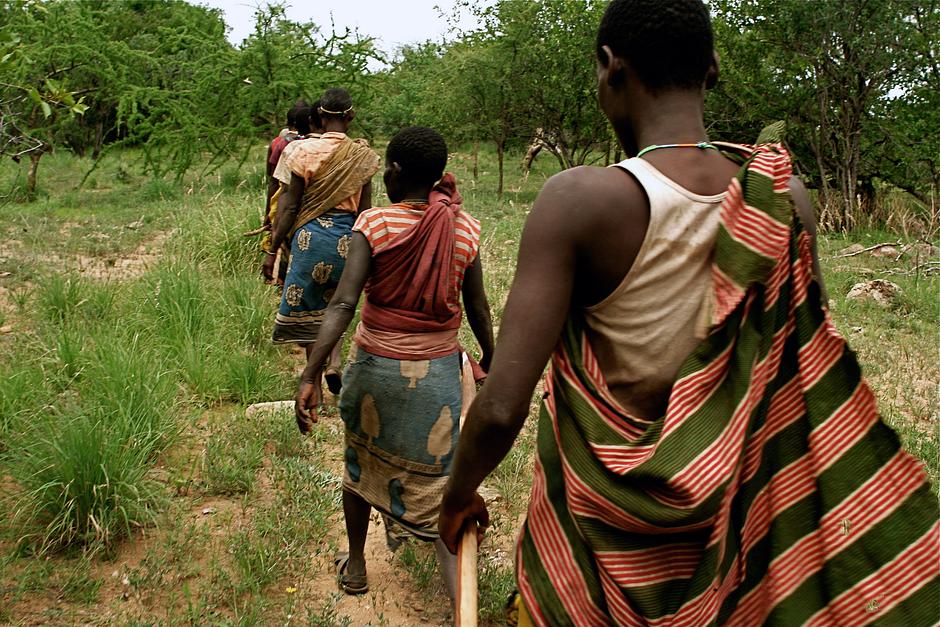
(356, 512)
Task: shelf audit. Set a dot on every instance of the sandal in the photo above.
(350, 584)
(334, 380)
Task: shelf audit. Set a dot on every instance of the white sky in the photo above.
(391, 23)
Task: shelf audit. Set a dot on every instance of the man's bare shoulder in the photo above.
(593, 195)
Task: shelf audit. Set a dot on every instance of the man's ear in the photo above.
(350, 115)
(711, 76)
(612, 67)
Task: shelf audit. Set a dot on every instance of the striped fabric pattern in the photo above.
(380, 225)
(769, 493)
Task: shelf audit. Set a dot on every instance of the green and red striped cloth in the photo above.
(770, 492)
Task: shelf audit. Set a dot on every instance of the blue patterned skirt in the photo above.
(317, 256)
(402, 421)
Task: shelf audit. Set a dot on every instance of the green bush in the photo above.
(214, 237)
(18, 396)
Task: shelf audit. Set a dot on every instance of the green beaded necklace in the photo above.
(702, 145)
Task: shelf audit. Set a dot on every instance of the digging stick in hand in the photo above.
(467, 550)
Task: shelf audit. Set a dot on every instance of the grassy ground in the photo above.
(134, 332)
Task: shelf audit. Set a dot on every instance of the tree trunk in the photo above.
(500, 148)
(476, 158)
(34, 158)
(867, 200)
(99, 139)
(607, 154)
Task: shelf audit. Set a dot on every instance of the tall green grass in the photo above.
(81, 464)
(93, 393)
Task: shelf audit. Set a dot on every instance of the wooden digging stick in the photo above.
(467, 550)
(277, 266)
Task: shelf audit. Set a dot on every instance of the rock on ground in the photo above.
(884, 293)
(274, 407)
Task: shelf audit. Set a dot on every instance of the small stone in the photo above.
(206, 511)
(489, 495)
(273, 407)
(883, 293)
(858, 330)
(135, 225)
(125, 580)
(7, 328)
(4, 275)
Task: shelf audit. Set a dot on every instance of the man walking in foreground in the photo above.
(707, 450)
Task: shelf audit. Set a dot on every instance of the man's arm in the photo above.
(478, 311)
(804, 208)
(287, 205)
(538, 304)
(339, 313)
(272, 186)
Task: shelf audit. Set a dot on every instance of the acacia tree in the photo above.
(485, 100)
(160, 75)
(34, 94)
(526, 71)
(554, 46)
(905, 147)
(283, 60)
(828, 67)
(403, 92)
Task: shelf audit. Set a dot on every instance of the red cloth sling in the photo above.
(411, 289)
(278, 144)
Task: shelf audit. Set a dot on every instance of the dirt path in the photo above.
(121, 268)
(392, 598)
(100, 267)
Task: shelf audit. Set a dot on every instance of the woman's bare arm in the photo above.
(478, 311)
(339, 313)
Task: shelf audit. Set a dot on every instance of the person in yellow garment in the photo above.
(305, 124)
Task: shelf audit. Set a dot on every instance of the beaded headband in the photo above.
(322, 110)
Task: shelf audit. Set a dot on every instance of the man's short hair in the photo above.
(335, 101)
(668, 43)
(299, 110)
(420, 151)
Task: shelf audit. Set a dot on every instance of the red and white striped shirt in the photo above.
(380, 225)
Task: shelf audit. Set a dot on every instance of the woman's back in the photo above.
(380, 225)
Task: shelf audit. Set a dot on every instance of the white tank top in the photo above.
(645, 329)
